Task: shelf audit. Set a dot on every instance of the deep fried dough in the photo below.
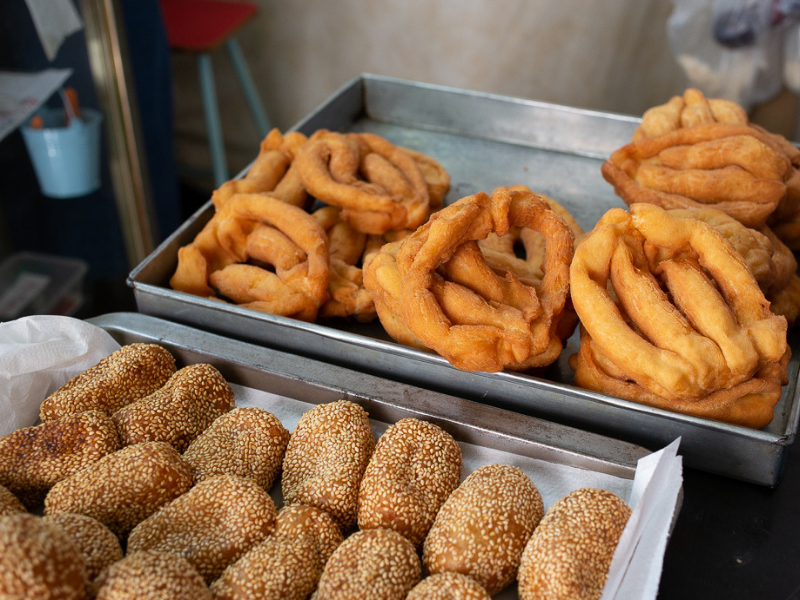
(178, 412)
(123, 488)
(484, 525)
(9, 503)
(33, 459)
(706, 332)
(416, 465)
(212, 525)
(448, 586)
(96, 543)
(302, 521)
(151, 576)
(326, 458)
(129, 374)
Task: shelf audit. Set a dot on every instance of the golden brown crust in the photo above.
(96, 543)
(151, 575)
(127, 375)
(415, 467)
(301, 521)
(9, 503)
(448, 586)
(484, 525)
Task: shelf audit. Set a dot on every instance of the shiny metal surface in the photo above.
(483, 141)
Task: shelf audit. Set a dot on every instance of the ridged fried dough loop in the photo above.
(326, 458)
(448, 586)
(39, 560)
(736, 168)
(247, 441)
(570, 552)
(151, 576)
(378, 185)
(476, 319)
(96, 543)
(378, 564)
(123, 488)
(484, 525)
(33, 459)
(687, 319)
(178, 412)
(279, 568)
(416, 465)
(129, 374)
(212, 525)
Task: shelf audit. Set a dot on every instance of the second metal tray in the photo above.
(483, 141)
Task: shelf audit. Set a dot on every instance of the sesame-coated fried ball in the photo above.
(151, 576)
(39, 560)
(279, 568)
(415, 467)
(127, 375)
(96, 542)
(247, 441)
(377, 564)
(177, 412)
(569, 554)
(448, 586)
(484, 525)
(326, 458)
(310, 522)
(212, 525)
(33, 459)
(9, 503)
(123, 488)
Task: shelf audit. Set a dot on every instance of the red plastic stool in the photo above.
(202, 26)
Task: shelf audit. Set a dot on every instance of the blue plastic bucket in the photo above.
(66, 159)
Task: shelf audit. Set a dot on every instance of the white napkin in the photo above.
(54, 20)
(38, 355)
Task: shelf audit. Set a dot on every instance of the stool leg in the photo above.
(215, 141)
(246, 81)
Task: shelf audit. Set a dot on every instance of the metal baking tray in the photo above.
(484, 141)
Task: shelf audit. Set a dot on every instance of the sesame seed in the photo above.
(448, 586)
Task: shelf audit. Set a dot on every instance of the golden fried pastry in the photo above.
(247, 441)
(212, 525)
(123, 488)
(326, 458)
(735, 168)
(378, 564)
(151, 576)
(97, 544)
(378, 185)
(9, 503)
(441, 288)
(279, 568)
(39, 560)
(127, 375)
(348, 297)
(570, 552)
(484, 525)
(33, 459)
(310, 522)
(179, 411)
(436, 177)
(416, 465)
(786, 302)
(448, 586)
(685, 327)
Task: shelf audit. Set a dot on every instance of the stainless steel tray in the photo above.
(483, 141)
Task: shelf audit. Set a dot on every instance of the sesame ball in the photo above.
(151, 576)
(569, 554)
(310, 522)
(415, 467)
(448, 586)
(279, 568)
(33, 459)
(482, 528)
(247, 441)
(9, 503)
(39, 560)
(377, 564)
(123, 488)
(212, 525)
(326, 458)
(127, 375)
(96, 542)
(177, 412)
